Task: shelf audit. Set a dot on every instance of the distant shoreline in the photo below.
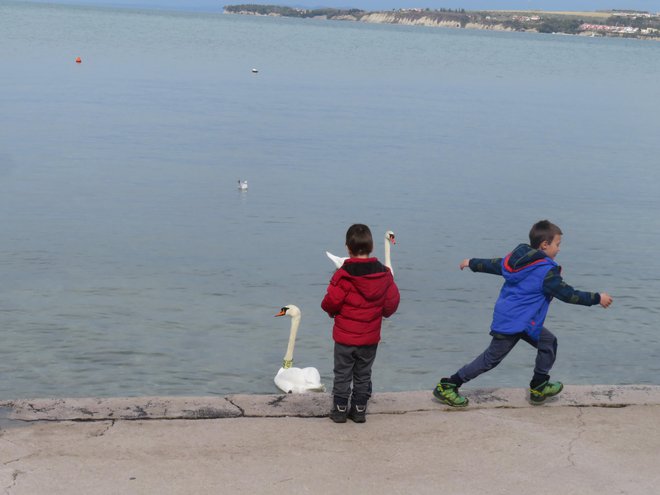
(613, 24)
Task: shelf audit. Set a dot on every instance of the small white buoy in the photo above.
(254, 71)
(242, 185)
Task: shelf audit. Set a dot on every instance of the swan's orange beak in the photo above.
(281, 313)
(392, 239)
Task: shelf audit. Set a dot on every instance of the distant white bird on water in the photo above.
(242, 185)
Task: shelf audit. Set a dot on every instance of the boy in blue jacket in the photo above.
(531, 280)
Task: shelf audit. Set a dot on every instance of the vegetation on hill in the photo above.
(622, 23)
(289, 11)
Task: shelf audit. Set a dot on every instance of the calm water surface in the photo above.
(131, 265)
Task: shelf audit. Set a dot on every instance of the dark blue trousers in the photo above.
(501, 345)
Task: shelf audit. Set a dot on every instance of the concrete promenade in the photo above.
(589, 440)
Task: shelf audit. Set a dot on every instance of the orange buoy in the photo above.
(78, 60)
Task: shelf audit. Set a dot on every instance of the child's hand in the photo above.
(605, 299)
(464, 264)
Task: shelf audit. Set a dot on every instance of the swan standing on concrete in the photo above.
(389, 239)
(296, 380)
(242, 185)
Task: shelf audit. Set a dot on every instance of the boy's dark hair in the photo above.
(543, 230)
(359, 240)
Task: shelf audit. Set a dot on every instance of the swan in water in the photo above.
(389, 239)
(296, 380)
(242, 185)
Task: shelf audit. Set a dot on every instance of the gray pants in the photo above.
(353, 364)
(501, 345)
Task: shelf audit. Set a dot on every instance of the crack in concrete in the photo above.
(581, 426)
(277, 401)
(610, 406)
(14, 477)
(236, 406)
(21, 458)
(105, 430)
(40, 409)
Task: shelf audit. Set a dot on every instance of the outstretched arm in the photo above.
(554, 286)
(493, 265)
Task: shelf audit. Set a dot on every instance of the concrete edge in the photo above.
(308, 405)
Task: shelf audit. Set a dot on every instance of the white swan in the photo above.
(296, 380)
(389, 239)
(242, 185)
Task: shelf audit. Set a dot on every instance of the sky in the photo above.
(216, 5)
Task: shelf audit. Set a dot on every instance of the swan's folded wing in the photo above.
(297, 380)
(338, 261)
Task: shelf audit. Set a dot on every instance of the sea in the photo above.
(131, 264)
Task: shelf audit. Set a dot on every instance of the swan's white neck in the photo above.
(288, 357)
(388, 258)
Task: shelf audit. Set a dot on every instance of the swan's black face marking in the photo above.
(392, 239)
(282, 311)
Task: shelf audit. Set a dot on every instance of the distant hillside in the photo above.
(612, 23)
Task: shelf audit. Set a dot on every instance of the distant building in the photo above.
(526, 18)
(608, 29)
(632, 15)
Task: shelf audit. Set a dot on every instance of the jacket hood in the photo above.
(368, 275)
(522, 260)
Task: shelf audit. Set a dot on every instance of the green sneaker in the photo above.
(447, 393)
(546, 389)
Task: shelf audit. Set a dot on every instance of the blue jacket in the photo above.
(531, 280)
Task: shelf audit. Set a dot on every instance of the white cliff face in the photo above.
(429, 21)
(492, 27)
(389, 18)
(398, 18)
(346, 17)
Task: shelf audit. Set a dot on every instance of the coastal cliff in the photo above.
(428, 21)
(622, 24)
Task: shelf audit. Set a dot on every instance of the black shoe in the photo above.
(358, 413)
(339, 413)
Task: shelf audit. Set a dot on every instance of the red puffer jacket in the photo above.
(360, 294)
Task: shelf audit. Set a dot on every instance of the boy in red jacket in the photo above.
(359, 295)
